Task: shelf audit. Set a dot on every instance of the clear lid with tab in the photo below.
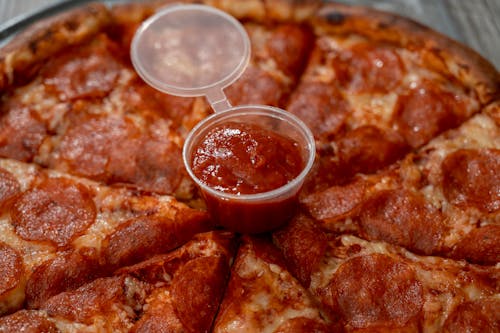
(191, 50)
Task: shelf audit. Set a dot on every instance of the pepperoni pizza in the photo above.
(397, 227)
(379, 287)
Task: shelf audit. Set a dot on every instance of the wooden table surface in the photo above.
(473, 22)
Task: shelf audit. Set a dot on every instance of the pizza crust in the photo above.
(268, 10)
(439, 52)
(19, 58)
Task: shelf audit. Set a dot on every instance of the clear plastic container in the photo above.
(260, 212)
(197, 50)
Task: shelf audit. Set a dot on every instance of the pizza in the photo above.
(439, 200)
(59, 232)
(379, 287)
(156, 288)
(397, 227)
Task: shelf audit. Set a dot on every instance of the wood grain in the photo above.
(474, 23)
(479, 23)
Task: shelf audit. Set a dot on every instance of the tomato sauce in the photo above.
(244, 159)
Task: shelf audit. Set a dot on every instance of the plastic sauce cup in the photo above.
(259, 212)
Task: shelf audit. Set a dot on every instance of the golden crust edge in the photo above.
(441, 52)
(493, 111)
(38, 42)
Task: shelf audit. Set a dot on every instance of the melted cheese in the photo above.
(50, 110)
(372, 109)
(96, 233)
(33, 253)
(275, 297)
(443, 288)
(73, 327)
(205, 248)
(479, 132)
(24, 173)
(13, 299)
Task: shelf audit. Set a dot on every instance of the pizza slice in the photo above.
(444, 199)
(84, 85)
(378, 287)
(372, 95)
(420, 46)
(106, 304)
(22, 56)
(59, 232)
(176, 292)
(262, 296)
(189, 284)
(55, 119)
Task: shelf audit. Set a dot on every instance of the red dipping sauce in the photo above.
(242, 158)
(250, 163)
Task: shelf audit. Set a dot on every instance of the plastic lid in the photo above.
(191, 50)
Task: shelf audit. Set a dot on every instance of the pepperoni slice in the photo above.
(303, 245)
(321, 107)
(21, 134)
(287, 45)
(91, 141)
(57, 211)
(368, 68)
(403, 218)
(141, 97)
(197, 289)
(159, 316)
(136, 239)
(256, 87)
(337, 202)
(140, 238)
(67, 271)
(11, 268)
(113, 150)
(94, 298)
(368, 149)
(159, 165)
(90, 71)
(153, 270)
(375, 290)
(474, 317)
(9, 187)
(27, 321)
(325, 173)
(426, 111)
(481, 245)
(472, 178)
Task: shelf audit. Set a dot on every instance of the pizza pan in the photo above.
(12, 27)
(439, 19)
